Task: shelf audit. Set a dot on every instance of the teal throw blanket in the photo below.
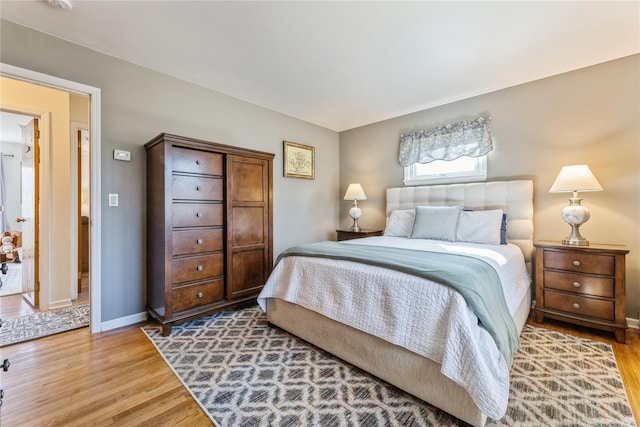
(476, 280)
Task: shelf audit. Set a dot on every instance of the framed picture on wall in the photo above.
(299, 160)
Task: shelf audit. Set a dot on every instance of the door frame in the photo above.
(95, 285)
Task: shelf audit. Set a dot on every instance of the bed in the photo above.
(412, 331)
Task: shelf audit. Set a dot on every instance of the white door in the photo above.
(29, 219)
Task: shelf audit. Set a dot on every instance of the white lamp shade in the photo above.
(355, 192)
(575, 178)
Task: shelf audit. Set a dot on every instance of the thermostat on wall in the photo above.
(122, 155)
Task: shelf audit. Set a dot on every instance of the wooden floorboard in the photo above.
(118, 378)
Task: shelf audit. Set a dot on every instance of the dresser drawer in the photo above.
(197, 241)
(197, 214)
(602, 309)
(197, 188)
(571, 282)
(196, 161)
(580, 262)
(197, 268)
(190, 296)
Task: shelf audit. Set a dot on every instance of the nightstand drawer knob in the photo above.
(200, 295)
(199, 215)
(576, 284)
(199, 268)
(199, 241)
(576, 263)
(576, 305)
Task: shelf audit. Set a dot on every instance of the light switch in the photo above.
(122, 155)
(113, 200)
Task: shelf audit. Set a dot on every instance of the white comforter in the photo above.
(434, 321)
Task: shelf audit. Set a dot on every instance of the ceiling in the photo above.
(342, 65)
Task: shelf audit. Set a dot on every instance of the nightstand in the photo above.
(350, 235)
(584, 285)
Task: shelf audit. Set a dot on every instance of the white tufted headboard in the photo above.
(515, 198)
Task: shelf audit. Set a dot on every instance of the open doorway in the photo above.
(19, 293)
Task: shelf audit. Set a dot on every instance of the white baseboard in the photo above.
(60, 304)
(123, 321)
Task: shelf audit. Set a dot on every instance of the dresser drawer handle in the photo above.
(200, 295)
(576, 305)
(576, 263)
(198, 188)
(197, 162)
(576, 284)
(199, 268)
(199, 241)
(198, 214)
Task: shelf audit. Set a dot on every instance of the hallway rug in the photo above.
(32, 326)
(243, 372)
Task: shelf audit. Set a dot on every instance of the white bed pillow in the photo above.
(480, 226)
(436, 222)
(400, 223)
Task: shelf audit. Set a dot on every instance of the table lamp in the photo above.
(573, 179)
(355, 193)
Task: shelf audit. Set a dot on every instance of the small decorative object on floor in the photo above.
(42, 324)
(243, 372)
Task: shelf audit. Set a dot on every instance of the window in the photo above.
(462, 169)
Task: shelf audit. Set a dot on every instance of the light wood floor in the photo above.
(15, 305)
(118, 378)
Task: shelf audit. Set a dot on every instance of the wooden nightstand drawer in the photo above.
(578, 283)
(602, 309)
(580, 262)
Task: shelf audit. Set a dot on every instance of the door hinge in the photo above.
(37, 287)
(79, 275)
(37, 133)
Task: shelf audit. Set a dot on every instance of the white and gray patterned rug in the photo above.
(244, 372)
(12, 281)
(32, 326)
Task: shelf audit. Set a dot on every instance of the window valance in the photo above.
(467, 138)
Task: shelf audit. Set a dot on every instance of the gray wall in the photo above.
(138, 104)
(587, 116)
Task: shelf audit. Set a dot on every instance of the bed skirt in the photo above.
(393, 364)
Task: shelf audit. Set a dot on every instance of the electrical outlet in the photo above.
(113, 200)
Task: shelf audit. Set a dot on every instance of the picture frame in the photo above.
(299, 160)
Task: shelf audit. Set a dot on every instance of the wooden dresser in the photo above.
(584, 285)
(209, 227)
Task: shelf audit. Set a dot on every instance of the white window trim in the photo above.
(480, 174)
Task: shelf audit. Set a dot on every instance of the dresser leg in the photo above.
(620, 335)
(166, 329)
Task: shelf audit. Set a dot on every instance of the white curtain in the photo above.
(467, 138)
(4, 221)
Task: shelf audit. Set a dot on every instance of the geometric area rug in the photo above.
(44, 323)
(243, 372)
